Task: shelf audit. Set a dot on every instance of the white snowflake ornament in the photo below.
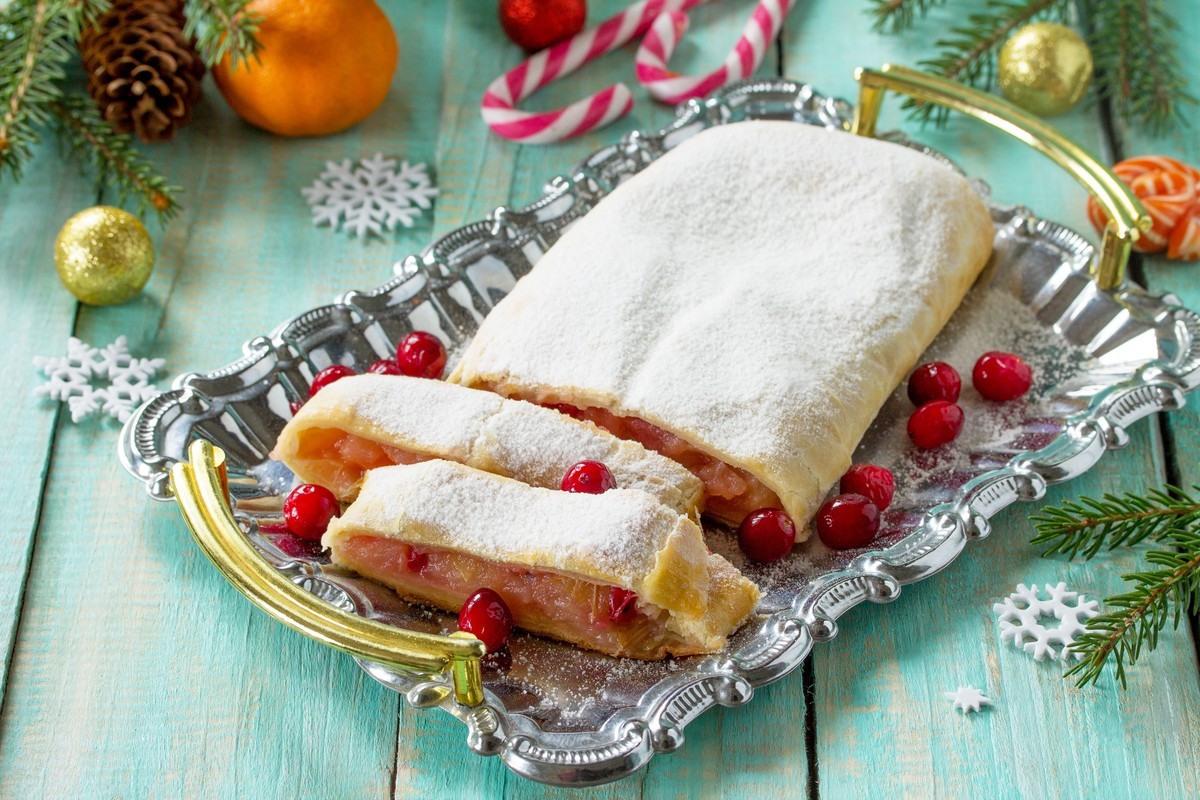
(967, 699)
(98, 380)
(370, 197)
(1020, 620)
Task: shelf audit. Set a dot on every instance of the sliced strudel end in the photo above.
(368, 421)
(564, 563)
(744, 305)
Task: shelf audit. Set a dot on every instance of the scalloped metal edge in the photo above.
(631, 737)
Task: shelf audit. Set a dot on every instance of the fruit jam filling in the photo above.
(601, 617)
(337, 459)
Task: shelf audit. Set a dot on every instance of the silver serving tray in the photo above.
(561, 715)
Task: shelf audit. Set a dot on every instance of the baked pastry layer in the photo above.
(758, 292)
(368, 421)
(548, 548)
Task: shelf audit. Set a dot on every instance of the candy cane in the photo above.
(671, 87)
(594, 111)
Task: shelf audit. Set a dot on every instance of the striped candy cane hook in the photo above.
(666, 31)
(594, 111)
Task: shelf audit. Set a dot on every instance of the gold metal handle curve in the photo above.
(201, 489)
(1126, 216)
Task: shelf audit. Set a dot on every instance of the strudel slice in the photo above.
(616, 572)
(368, 421)
(745, 305)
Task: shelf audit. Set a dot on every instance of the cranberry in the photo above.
(421, 355)
(935, 424)
(295, 406)
(385, 366)
(766, 534)
(622, 605)
(847, 521)
(565, 408)
(328, 376)
(416, 560)
(308, 510)
(589, 477)
(296, 547)
(486, 616)
(872, 482)
(1001, 376)
(936, 380)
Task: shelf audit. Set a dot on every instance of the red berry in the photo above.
(935, 424)
(421, 355)
(308, 510)
(385, 366)
(848, 521)
(872, 482)
(767, 534)
(295, 406)
(537, 24)
(622, 605)
(486, 616)
(416, 560)
(589, 477)
(328, 376)
(936, 380)
(565, 408)
(1001, 376)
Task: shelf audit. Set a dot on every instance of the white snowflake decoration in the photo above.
(370, 196)
(967, 699)
(1020, 614)
(98, 380)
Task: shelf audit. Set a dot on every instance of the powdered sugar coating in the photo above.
(613, 537)
(509, 437)
(759, 292)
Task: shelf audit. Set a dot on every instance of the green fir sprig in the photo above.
(1132, 41)
(221, 28)
(1170, 517)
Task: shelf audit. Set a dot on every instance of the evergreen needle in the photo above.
(894, 16)
(222, 28)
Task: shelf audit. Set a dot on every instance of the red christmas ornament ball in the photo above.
(537, 24)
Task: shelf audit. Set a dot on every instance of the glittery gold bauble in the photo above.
(1045, 68)
(104, 255)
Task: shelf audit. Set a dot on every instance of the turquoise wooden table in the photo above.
(132, 670)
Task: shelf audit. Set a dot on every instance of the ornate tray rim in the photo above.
(632, 736)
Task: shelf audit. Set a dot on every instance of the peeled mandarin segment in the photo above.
(1184, 244)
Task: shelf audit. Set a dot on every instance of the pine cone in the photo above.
(142, 73)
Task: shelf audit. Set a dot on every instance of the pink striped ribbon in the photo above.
(666, 31)
(594, 111)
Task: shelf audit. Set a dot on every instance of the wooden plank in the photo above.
(881, 719)
(721, 753)
(138, 671)
(38, 314)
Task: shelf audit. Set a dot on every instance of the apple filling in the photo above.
(730, 493)
(597, 616)
(337, 460)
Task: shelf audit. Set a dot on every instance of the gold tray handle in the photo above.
(1126, 216)
(201, 489)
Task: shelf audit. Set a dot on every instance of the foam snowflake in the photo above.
(967, 699)
(371, 196)
(1020, 614)
(98, 380)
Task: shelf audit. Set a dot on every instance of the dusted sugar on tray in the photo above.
(744, 305)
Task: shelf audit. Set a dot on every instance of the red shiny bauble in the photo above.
(485, 615)
(537, 24)
(588, 477)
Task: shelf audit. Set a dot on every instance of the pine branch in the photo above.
(969, 54)
(1087, 526)
(35, 43)
(1137, 65)
(1141, 614)
(222, 28)
(893, 16)
(83, 14)
(112, 157)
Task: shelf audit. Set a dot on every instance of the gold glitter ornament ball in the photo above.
(1045, 68)
(104, 255)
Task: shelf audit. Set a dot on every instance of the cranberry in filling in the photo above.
(602, 617)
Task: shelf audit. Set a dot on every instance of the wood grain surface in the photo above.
(132, 670)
